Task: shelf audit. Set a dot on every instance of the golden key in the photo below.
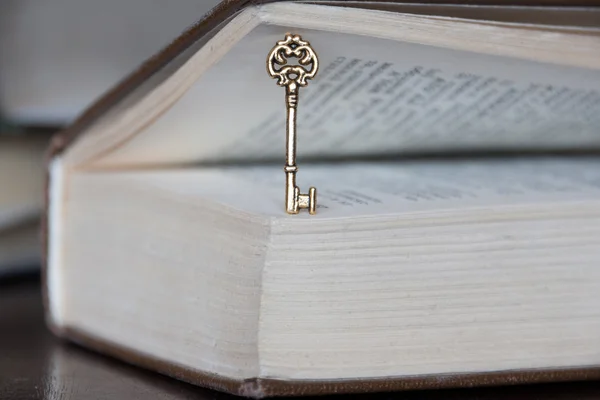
(293, 77)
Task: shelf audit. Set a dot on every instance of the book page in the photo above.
(427, 99)
(378, 96)
(374, 188)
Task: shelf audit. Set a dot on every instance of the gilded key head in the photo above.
(292, 47)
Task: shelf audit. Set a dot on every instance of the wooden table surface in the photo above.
(35, 365)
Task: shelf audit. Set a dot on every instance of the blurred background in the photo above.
(56, 58)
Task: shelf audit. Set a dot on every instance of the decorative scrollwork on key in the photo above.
(292, 46)
(293, 77)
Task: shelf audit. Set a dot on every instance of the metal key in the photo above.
(293, 77)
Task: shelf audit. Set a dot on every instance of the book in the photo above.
(22, 183)
(456, 235)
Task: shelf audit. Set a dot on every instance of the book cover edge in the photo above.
(262, 387)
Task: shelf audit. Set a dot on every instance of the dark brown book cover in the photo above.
(159, 67)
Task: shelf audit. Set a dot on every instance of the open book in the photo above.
(168, 245)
